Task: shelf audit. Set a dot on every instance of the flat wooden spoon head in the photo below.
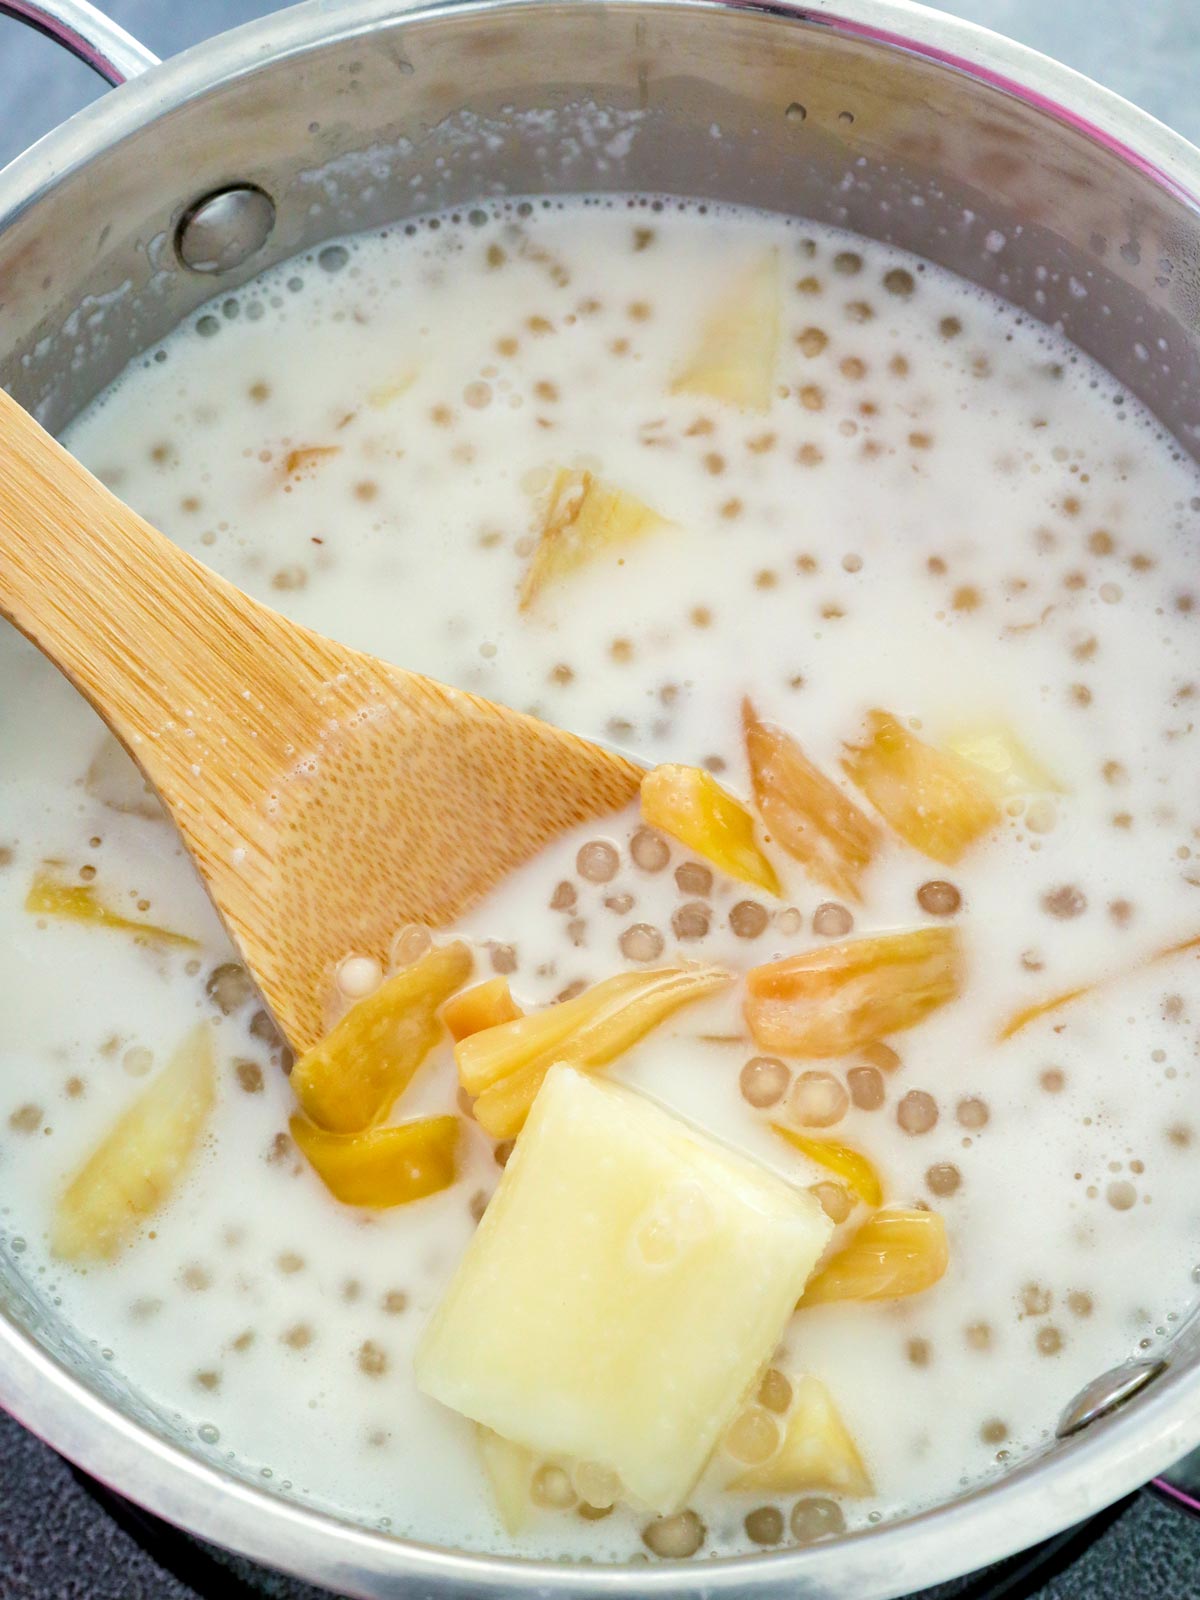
(327, 798)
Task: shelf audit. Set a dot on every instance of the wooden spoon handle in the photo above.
(157, 642)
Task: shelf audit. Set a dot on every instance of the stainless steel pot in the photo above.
(341, 114)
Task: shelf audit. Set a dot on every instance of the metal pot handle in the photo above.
(86, 33)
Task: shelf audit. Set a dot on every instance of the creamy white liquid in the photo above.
(815, 564)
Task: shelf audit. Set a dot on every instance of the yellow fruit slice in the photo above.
(628, 1283)
(895, 1253)
(1056, 1002)
(582, 519)
(306, 461)
(935, 801)
(139, 1164)
(734, 360)
(817, 1452)
(78, 902)
(379, 399)
(487, 1005)
(805, 812)
(1003, 763)
(352, 1077)
(832, 1000)
(841, 1159)
(691, 806)
(509, 1468)
(505, 1066)
(384, 1166)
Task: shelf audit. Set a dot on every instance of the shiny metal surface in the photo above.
(919, 129)
(1106, 1393)
(86, 33)
(224, 230)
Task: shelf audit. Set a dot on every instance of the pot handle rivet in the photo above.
(1106, 1393)
(224, 229)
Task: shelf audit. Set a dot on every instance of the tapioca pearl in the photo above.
(597, 861)
(1101, 542)
(852, 368)
(1048, 1341)
(1064, 902)
(748, 919)
(972, 1113)
(207, 1378)
(817, 1100)
(809, 455)
(137, 1061)
(832, 920)
(917, 1112)
(834, 1199)
(676, 1537)
(691, 920)
(1035, 1300)
(812, 397)
(866, 1087)
(1080, 1303)
(195, 1277)
(359, 976)
(1121, 1194)
(993, 1431)
(1032, 960)
(1053, 1080)
(943, 1179)
(790, 920)
(764, 1525)
(859, 311)
(763, 1081)
(299, 1336)
(75, 1088)
(290, 578)
(411, 943)
(816, 1518)
(900, 282)
(775, 1391)
(504, 958)
(848, 263)
(761, 444)
(641, 942)
(918, 1352)
(920, 440)
(366, 490)
(939, 898)
(621, 651)
(693, 878)
(26, 1118)
(1141, 562)
(880, 1055)
(812, 341)
(243, 1341)
(643, 238)
(979, 1336)
(229, 987)
(371, 1359)
(620, 904)
(1080, 695)
(577, 932)
(290, 1262)
(259, 392)
(649, 850)
(752, 1436)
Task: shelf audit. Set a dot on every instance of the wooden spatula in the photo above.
(327, 798)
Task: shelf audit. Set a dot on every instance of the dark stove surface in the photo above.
(64, 1539)
(61, 1538)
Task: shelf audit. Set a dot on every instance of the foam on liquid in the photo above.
(947, 512)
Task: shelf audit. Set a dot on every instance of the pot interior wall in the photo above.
(445, 109)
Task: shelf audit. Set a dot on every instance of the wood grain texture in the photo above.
(326, 797)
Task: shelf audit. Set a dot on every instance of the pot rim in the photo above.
(1034, 1501)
